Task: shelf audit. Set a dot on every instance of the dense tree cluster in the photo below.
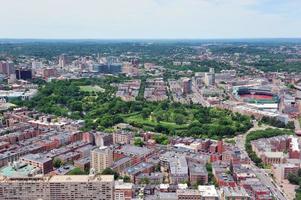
(198, 66)
(102, 110)
(161, 139)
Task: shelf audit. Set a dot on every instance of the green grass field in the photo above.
(151, 123)
(90, 88)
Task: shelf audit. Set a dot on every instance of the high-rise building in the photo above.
(10, 68)
(209, 79)
(101, 158)
(187, 86)
(24, 73)
(2, 67)
(63, 60)
(49, 72)
(58, 187)
(7, 68)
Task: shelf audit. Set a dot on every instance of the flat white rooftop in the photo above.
(81, 178)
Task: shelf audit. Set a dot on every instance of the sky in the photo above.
(150, 19)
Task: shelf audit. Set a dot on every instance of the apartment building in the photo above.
(78, 187)
(101, 158)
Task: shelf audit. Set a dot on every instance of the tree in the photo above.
(293, 179)
(77, 171)
(109, 171)
(161, 129)
(138, 142)
(57, 163)
(145, 112)
(299, 172)
(161, 139)
(179, 119)
(144, 180)
(102, 110)
(126, 179)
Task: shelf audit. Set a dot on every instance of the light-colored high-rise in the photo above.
(101, 158)
(63, 60)
(209, 79)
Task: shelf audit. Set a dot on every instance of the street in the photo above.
(260, 173)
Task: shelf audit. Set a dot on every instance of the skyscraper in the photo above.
(209, 78)
(63, 60)
(101, 158)
(7, 68)
(187, 85)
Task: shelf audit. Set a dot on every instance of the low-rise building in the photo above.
(153, 178)
(208, 192)
(270, 158)
(282, 171)
(122, 137)
(134, 171)
(40, 161)
(178, 170)
(234, 193)
(197, 173)
(123, 191)
(188, 194)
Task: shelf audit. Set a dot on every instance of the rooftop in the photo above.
(178, 165)
(234, 192)
(81, 178)
(19, 170)
(188, 192)
(208, 190)
(130, 149)
(123, 186)
(137, 168)
(274, 154)
(36, 158)
(195, 168)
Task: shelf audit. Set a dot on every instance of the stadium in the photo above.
(258, 96)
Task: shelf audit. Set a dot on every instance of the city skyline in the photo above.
(150, 19)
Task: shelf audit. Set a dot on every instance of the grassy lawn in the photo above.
(91, 88)
(150, 123)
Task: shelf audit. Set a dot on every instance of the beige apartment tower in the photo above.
(101, 158)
